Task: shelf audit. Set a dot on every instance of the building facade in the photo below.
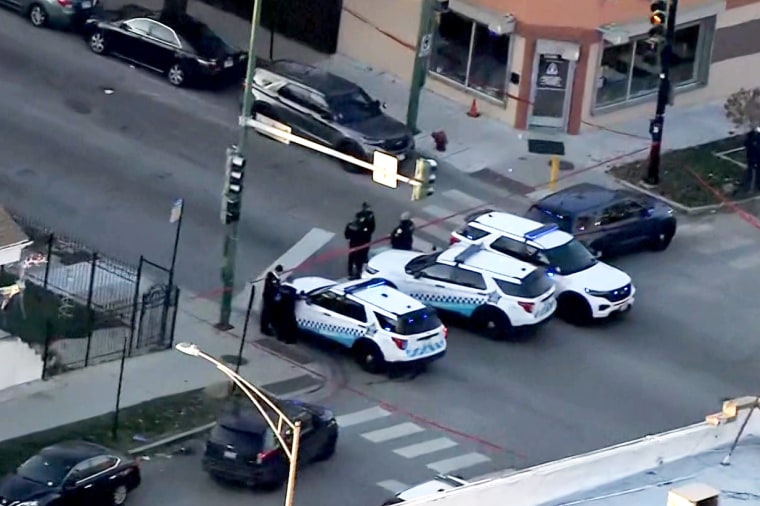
(557, 64)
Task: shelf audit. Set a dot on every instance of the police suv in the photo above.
(441, 483)
(495, 292)
(378, 323)
(586, 287)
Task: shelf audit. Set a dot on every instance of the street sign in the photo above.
(176, 212)
(274, 124)
(385, 169)
(426, 44)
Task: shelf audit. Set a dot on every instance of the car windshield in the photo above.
(46, 469)
(531, 286)
(420, 262)
(570, 258)
(354, 107)
(248, 443)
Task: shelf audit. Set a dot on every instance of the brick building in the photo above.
(554, 63)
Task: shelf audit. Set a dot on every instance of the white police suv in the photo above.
(586, 287)
(378, 323)
(495, 292)
(441, 483)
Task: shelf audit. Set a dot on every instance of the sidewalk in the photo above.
(486, 148)
(90, 392)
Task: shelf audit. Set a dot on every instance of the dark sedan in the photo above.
(608, 222)
(185, 50)
(71, 473)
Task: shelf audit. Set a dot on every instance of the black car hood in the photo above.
(380, 127)
(15, 488)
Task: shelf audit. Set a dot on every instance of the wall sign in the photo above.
(552, 72)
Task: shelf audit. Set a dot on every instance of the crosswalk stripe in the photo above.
(746, 262)
(419, 449)
(422, 245)
(393, 486)
(721, 246)
(441, 213)
(456, 463)
(395, 432)
(363, 416)
(463, 198)
(690, 229)
(436, 232)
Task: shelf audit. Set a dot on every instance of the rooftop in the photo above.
(639, 473)
(579, 198)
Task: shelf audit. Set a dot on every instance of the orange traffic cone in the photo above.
(473, 112)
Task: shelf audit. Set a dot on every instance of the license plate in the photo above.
(230, 455)
(401, 158)
(228, 63)
(86, 5)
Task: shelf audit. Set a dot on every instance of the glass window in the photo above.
(632, 70)
(96, 465)
(616, 213)
(354, 107)
(470, 54)
(472, 233)
(533, 285)
(569, 258)
(141, 26)
(351, 309)
(46, 469)
(440, 272)
(417, 322)
(162, 33)
(510, 247)
(386, 323)
(297, 95)
(327, 300)
(469, 279)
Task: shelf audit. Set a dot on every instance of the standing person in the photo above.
(752, 146)
(402, 236)
(366, 218)
(286, 324)
(356, 237)
(269, 301)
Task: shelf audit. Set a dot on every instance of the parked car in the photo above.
(185, 51)
(72, 472)
(53, 13)
(243, 449)
(609, 222)
(441, 483)
(328, 109)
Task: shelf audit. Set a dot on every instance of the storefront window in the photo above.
(632, 70)
(468, 53)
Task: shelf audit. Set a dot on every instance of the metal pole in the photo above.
(170, 288)
(51, 239)
(657, 124)
(46, 351)
(248, 311)
(90, 311)
(135, 303)
(115, 426)
(231, 230)
(293, 465)
(275, 23)
(424, 47)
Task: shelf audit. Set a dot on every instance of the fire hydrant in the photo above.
(440, 140)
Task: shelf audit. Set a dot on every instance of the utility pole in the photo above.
(665, 90)
(431, 10)
(231, 229)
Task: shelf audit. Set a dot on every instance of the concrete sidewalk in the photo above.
(90, 392)
(486, 148)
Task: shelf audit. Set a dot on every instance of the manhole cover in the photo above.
(233, 359)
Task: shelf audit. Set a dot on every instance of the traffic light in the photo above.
(658, 19)
(233, 186)
(425, 173)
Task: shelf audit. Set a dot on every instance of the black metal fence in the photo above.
(80, 308)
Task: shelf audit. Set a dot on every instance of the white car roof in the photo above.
(440, 483)
(478, 258)
(542, 235)
(377, 293)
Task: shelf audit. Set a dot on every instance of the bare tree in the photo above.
(742, 108)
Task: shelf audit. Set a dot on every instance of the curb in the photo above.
(691, 211)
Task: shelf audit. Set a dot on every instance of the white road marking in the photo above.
(463, 198)
(424, 448)
(746, 262)
(714, 246)
(393, 486)
(456, 463)
(422, 245)
(691, 229)
(363, 416)
(395, 432)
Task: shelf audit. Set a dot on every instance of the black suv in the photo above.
(243, 449)
(608, 222)
(328, 109)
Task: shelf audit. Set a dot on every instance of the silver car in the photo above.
(53, 13)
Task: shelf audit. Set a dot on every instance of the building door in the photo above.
(553, 72)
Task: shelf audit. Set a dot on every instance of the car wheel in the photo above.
(329, 449)
(351, 149)
(492, 323)
(119, 495)
(97, 43)
(574, 309)
(662, 239)
(176, 75)
(38, 15)
(369, 357)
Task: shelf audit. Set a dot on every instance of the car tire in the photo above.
(37, 15)
(97, 42)
(119, 495)
(369, 357)
(574, 309)
(176, 75)
(328, 451)
(663, 238)
(492, 323)
(351, 149)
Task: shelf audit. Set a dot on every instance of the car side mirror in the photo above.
(418, 275)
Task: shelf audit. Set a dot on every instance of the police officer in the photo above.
(287, 327)
(358, 248)
(402, 236)
(752, 146)
(366, 218)
(269, 301)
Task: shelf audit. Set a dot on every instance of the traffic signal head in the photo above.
(425, 173)
(658, 18)
(233, 185)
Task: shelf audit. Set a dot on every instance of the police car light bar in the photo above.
(467, 253)
(540, 232)
(365, 285)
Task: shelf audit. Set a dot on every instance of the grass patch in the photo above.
(150, 420)
(678, 185)
(40, 306)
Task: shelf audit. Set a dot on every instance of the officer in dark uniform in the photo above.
(269, 301)
(286, 325)
(356, 255)
(366, 218)
(402, 236)
(752, 146)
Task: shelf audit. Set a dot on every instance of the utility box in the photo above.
(694, 494)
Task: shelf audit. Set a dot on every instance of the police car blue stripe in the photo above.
(345, 336)
(452, 303)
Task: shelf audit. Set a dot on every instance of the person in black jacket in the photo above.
(752, 146)
(366, 219)
(402, 236)
(358, 244)
(269, 301)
